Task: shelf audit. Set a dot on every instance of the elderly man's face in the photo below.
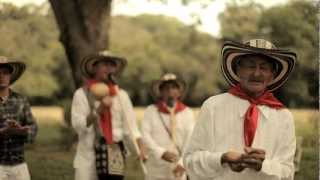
(255, 72)
(5, 76)
(102, 69)
(170, 90)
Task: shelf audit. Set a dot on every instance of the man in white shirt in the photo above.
(102, 123)
(167, 126)
(246, 134)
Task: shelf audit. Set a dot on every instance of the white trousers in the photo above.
(150, 177)
(86, 173)
(16, 172)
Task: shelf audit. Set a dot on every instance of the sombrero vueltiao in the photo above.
(17, 67)
(155, 86)
(284, 59)
(88, 62)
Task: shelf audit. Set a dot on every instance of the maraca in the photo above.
(99, 90)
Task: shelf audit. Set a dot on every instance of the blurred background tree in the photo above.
(154, 45)
(84, 29)
(158, 44)
(290, 26)
(29, 34)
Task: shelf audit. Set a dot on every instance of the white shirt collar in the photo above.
(244, 105)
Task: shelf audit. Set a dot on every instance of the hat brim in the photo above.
(155, 87)
(284, 58)
(17, 70)
(88, 62)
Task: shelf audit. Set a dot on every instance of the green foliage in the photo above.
(30, 35)
(155, 45)
(290, 26)
(294, 26)
(239, 22)
(47, 158)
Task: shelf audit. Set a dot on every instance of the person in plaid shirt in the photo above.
(17, 125)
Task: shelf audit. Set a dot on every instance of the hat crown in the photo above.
(3, 59)
(260, 43)
(105, 53)
(168, 77)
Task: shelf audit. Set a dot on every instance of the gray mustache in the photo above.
(257, 79)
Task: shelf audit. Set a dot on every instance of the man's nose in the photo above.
(257, 71)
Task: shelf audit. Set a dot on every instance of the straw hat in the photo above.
(89, 61)
(169, 77)
(16, 66)
(284, 60)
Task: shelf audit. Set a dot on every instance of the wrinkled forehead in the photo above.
(255, 59)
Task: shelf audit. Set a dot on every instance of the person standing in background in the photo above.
(17, 124)
(102, 123)
(166, 127)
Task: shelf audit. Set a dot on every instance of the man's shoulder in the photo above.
(122, 91)
(188, 109)
(80, 90)
(16, 95)
(123, 94)
(285, 113)
(79, 93)
(219, 99)
(151, 107)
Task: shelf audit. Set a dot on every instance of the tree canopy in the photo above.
(291, 26)
(154, 45)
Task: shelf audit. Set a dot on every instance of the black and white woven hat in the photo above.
(285, 59)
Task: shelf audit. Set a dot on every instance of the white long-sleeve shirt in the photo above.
(85, 155)
(158, 140)
(219, 129)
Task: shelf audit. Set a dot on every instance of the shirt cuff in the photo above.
(266, 166)
(214, 161)
(159, 152)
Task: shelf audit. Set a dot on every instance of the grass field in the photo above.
(49, 159)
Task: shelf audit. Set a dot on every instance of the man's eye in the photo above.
(265, 68)
(249, 66)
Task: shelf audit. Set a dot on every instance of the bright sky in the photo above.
(209, 16)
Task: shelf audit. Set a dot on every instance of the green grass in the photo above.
(48, 158)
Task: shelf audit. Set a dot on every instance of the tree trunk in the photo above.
(84, 29)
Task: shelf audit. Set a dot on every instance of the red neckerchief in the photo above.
(162, 107)
(105, 117)
(252, 114)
